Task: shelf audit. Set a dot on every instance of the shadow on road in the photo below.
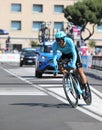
(43, 105)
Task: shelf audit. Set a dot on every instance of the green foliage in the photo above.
(33, 43)
(85, 12)
(92, 43)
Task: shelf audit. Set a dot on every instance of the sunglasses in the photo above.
(58, 39)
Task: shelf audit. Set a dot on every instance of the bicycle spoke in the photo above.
(70, 91)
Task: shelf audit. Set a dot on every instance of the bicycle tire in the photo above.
(70, 92)
(47, 34)
(88, 99)
(44, 36)
(40, 35)
(86, 90)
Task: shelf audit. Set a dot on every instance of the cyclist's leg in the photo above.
(82, 75)
(64, 56)
(85, 86)
(80, 69)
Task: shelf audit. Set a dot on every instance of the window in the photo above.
(99, 28)
(58, 25)
(37, 8)
(16, 7)
(36, 25)
(16, 25)
(58, 8)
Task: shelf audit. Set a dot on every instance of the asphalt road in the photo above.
(28, 103)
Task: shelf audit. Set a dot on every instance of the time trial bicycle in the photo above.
(73, 86)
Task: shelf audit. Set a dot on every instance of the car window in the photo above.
(46, 49)
(28, 52)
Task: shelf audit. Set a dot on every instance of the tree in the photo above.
(92, 43)
(33, 43)
(85, 12)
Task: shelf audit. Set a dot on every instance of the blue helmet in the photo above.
(60, 34)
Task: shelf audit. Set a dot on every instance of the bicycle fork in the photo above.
(79, 88)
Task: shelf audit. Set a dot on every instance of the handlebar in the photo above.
(64, 64)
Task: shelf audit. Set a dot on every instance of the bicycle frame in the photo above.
(75, 85)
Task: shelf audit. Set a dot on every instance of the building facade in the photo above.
(23, 19)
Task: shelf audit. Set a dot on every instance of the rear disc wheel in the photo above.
(87, 96)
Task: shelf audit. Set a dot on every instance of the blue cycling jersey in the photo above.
(69, 48)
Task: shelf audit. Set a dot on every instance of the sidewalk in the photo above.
(93, 73)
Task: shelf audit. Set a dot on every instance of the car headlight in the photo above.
(34, 57)
(21, 57)
(43, 57)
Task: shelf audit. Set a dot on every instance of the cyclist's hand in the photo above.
(64, 71)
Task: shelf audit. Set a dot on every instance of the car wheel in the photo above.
(38, 74)
(21, 64)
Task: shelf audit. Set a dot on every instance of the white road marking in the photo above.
(96, 91)
(50, 85)
(16, 91)
(22, 93)
(94, 110)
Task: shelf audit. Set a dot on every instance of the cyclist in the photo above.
(68, 49)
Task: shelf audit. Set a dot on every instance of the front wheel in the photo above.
(21, 64)
(38, 74)
(87, 96)
(70, 90)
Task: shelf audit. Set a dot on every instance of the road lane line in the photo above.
(15, 93)
(50, 85)
(96, 91)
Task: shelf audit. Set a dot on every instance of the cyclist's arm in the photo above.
(54, 47)
(74, 58)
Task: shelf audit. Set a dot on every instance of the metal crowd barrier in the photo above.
(9, 57)
(86, 61)
(97, 62)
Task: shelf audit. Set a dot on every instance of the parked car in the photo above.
(27, 56)
(44, 60)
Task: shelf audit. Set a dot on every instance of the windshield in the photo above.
(46, 49)
(28, 52)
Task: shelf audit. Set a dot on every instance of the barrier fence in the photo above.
(97, 62)
(94, 62)
(86, 61)
(9, 57)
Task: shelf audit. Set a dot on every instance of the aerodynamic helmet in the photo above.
(60, 35)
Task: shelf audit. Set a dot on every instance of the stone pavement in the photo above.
(93, 73)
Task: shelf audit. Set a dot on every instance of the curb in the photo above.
(93, 73)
